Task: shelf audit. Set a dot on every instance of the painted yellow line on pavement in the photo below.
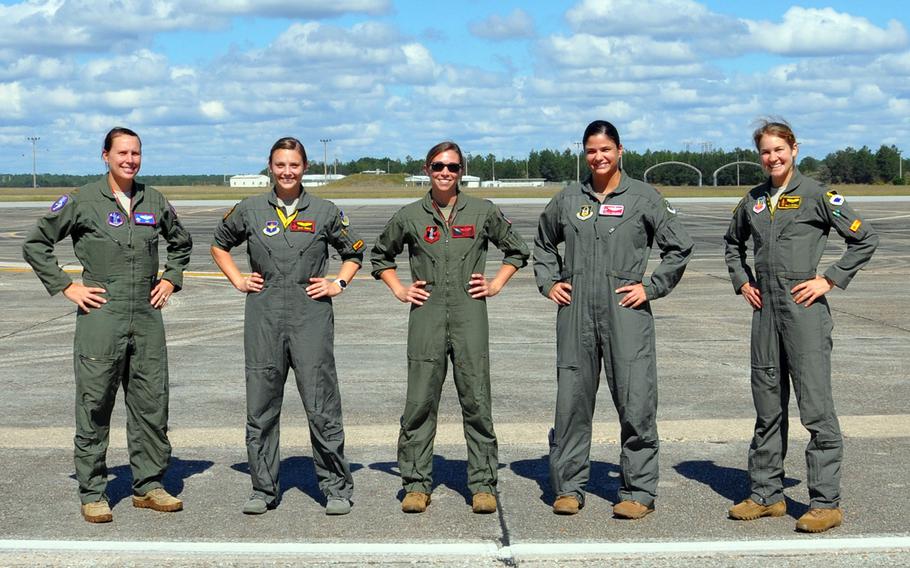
(508, 433)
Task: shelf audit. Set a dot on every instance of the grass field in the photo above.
(374, 188)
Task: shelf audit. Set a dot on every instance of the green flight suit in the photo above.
(790, 340)
(607, 246)
(450, 324)
(284, 328)
(122, 341)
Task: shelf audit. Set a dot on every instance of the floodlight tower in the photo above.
(325, 159)
(34, 141)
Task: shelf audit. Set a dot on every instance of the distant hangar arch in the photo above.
(669, 163)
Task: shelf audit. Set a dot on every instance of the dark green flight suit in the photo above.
(122, 341)
(789, 339)
(283, 327)
(450, 324)
(607, 246)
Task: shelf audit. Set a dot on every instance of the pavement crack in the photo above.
(505, 540)
(35, 325)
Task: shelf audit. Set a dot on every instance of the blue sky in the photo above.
(209, 85)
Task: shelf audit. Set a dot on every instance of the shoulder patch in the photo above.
(835, 199)
(228, 214)
(670, 208)
(344, 218)
(60, 203)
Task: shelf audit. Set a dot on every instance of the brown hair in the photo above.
(443, 147)
(118, 131)
(777, 127)
(288, 143)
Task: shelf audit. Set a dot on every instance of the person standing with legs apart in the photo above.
(788, 218)
(114, 224)
(608, 225)
(447, 234)
(289, 322)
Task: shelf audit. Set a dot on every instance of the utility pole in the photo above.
(494, 166)
(900, 167)
(34, 141)
(325, 159)
(467, 158)
(577, 162)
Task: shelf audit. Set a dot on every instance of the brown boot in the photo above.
(566, 505)
(97, 512)
(484, 503)
(158, 500)
(415, 502)
(630, 510)
(749, 510)
(819, 520)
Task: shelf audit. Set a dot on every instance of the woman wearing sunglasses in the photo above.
(447, 234)
(608, 225)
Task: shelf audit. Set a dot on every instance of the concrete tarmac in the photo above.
(705, 421)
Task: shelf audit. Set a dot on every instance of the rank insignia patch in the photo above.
(585, 213)
(300, 226)
(143, 218)
(357, 245)
(60, 203)
(789, 202)
(855, 225)
(463, 231)
(114, 219)
(431, 235)
(760, 205)
(271, 228)
(611, 210)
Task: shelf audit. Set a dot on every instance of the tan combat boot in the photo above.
(415, 502)
(749, 510)
(484, 503)
(97, 512)
(631, 510)
(819, 520)
(566, 505)
(158, 500)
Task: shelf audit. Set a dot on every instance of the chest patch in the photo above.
(611, 210)
(789, 202)
(143, 218)
(300, 226)
(463, 231)
(585, 213)
(431, 234)
(760, 205)
(114, 219)
(271, 228)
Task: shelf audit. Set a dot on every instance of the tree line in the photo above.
(843, 166)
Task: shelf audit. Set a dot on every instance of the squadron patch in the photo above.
(855, 225)
(60, 203)
(789, 202)
(834, 198)
(760, 205)
(431, 235)
(611, 210)
(358, 244)
(271, 228)
(344, 218)
(114, 219)
(670, 208)
(585, 213)
(302, 226)
(463, 231)
(143, 218)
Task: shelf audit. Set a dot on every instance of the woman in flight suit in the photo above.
(447, 234)
(115, 223)
(788, 218)
(608, 224)
(289, 321)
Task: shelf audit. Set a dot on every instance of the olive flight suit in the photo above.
(449, 324)
(607, 246)
(283, 327)
(123, 340)
(788, 339)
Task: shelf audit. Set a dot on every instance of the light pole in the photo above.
(467, 158)
(34, 141)
(494, 166)
(900, 167)
(577, 162)
(325, 159)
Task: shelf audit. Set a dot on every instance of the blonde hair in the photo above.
(774, 127)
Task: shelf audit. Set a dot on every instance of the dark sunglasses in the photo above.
(439, 166)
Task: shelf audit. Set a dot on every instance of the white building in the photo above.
(250, 180)
(317, 180)
(521, 182)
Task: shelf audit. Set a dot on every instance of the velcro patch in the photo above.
(789, 202)
(300, 226)
(463, 231)
(143, 218)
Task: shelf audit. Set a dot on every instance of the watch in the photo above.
(341, 284)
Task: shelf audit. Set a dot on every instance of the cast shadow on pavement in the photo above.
(297, 472)
(732, 483)
(604, 481)
(120, 478)
(450, 473)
